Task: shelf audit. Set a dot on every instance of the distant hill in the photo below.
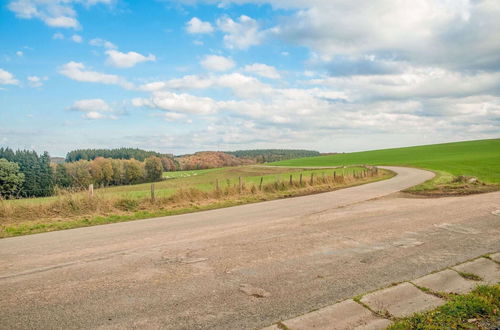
(57, 160)
(121, 153)
(273, 155)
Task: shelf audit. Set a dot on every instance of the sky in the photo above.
(190, 75)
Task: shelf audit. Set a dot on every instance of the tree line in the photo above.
(273, 155)
(24, 173)
(120, 153)
(106, 172)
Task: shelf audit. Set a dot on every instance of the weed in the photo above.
(470, 276)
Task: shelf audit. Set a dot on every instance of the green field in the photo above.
(479, 158)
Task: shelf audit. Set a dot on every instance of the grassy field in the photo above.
(480, 159)
(179, 192)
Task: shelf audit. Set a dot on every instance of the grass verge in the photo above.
(445, 184)
(476, 310)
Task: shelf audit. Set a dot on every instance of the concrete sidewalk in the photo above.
(376, 310)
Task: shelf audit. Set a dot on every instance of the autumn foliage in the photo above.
(210, 159)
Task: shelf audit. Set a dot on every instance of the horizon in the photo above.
(193, 75)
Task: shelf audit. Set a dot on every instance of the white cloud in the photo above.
(197, 26)
(126, 60)
(54, 13)
(217, 63)
(58, 35)
(98, 42)
(36, 81)
(180, 103)
(7, 78)
(240, 34)
(77, 71)
(19, 53)
(93, 109)
(262, 70)
(77, 38)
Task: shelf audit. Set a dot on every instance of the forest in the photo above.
(273, 155)
(24, 173)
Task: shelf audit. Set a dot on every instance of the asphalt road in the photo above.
(242, 267)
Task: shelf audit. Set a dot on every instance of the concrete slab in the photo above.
(401, 300)
(446, 281)
(495, 256)
(487, 269)
(347, 314)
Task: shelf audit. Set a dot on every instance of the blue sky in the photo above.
(184, 76)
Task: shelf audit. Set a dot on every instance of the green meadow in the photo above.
(479, 159)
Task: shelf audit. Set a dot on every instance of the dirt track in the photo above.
(202, 270)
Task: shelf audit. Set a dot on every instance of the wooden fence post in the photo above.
(91, 190)
(312, 178)
(334, 176)
(239, 184)
(152, 191)
(291, 181)
(261, 181)
(300, 180)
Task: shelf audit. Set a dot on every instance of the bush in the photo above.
(11, 180)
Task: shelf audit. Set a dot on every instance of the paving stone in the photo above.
(446, 281)
(344, 315)
(487, 269)
(401, 300)
(495, 256)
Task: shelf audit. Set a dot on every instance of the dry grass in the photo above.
(72, 210)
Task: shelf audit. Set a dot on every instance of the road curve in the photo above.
(119, 236)
(203, 270)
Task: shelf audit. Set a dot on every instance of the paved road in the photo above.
(201, 270)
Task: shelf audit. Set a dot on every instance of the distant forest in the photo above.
(121, 153)
(273, 155)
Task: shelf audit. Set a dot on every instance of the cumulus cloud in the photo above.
(78, 72)
(56, 13)
(77, 38)
(240, 34)
(7, 78)
(93, 109)
(126, 60)
(262, 70)
(36, 81)
(98, 42)
(180, 103)
(217, 63)
(58, 36)
(197, 26)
